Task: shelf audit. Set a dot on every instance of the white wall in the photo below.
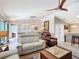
(59, 29)
(51, 22)
(59, 32)
(28, 25)
(74, 28)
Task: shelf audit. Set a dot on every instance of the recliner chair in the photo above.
(50, 41)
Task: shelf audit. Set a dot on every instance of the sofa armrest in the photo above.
(19, 44)
(20, 48)
(43, 43)
(8, 53)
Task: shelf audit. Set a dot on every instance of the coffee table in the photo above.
(56, 52)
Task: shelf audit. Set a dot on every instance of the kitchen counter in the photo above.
(69, 36)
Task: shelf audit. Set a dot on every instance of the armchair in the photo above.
(50, 41)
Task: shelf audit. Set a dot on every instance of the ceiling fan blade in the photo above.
(64, 9)
(60, 6)
(52, 9)
(62, 2)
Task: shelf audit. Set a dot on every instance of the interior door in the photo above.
(59, 32)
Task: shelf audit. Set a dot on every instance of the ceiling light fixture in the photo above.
(73, 26)
(77, 16)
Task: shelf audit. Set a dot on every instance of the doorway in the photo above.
(13, 32)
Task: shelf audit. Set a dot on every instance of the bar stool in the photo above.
(73, 40)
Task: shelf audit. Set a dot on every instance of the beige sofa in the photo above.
(11, 54)
(30, 42)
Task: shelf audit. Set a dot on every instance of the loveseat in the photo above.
(30, 42)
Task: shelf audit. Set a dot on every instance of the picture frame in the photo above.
(46, 25)
(66, 27)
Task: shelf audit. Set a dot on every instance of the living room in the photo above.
(51, 33)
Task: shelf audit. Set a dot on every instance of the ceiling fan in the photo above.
(60, 6)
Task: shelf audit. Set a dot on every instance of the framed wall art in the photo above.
(46, 25)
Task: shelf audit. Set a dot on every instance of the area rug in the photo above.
(33, 56)
(74, 49)
(36, 57)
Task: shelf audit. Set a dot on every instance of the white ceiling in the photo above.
(71, 15)
(19, 9)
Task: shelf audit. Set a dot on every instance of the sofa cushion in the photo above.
(32, 45)
(29, 39)
(27, 47)
(15, 56)
(30, 34)
(8, 53)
